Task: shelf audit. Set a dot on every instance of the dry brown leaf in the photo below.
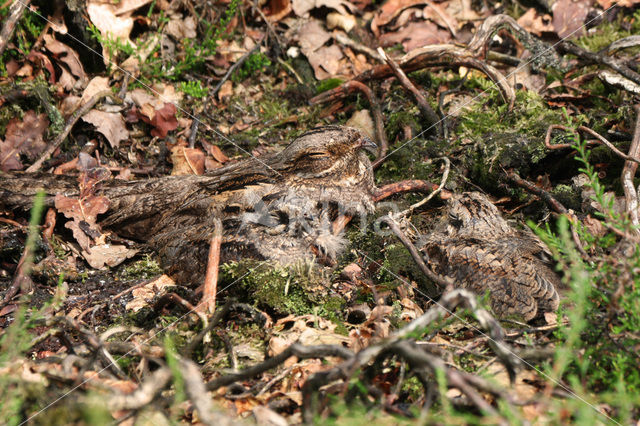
(302, 7)
(107, 254)
(110, 124)
(462, 10)
(181, 28)
(23, 137)
(111, 26)
(96, 85)
(311, 36)
(266, 416)
(226, 91)
(535, 23)
(66, 80)
(142, 296)
(569, 17)
(388, 11)
(278, 9)
(66, 55)
(393, 8)
(338, 20)
(162, 119)
(415, 35)
(325, 61)
(217, 154)
(187, 161)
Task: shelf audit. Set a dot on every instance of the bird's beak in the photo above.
(369, 145)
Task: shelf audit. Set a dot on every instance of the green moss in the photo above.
(498, 139)
(298, 289)
(568, 196)
(144, 268)
(328, 84)
(605, 34)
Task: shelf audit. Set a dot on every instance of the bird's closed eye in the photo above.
(317, 155)
(455, 219)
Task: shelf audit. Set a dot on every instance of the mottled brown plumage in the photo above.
(276, 206)
(480, 251)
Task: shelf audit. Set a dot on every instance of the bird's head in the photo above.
(472, 213)
(333, 154)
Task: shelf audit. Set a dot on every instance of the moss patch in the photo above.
(297, 289)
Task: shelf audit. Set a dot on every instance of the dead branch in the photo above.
(15, 13)
(168, 298)
(135, 349)
(21, 280)
(232, 69)
(144, 394)
(539, 192)
(599, 140)
(443, 181)
(345, 40)
(398, 341)
(428, 113)
(217, 317)
(620, 44)
(441, 282)
(208, 302)
(412, 185)
(551, 202)
(71, 121)
(297, 350)
(196, 391)
(600, 59)
(90, 338)
(418, 358)
(628, 173)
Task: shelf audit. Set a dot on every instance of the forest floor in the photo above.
(532, 103)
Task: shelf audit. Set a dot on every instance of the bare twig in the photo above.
(144, 394)
(208, 303)
(345, 40)
(297, 350)
(217, 317)
(165, 299)
(428, 113)
(15, 12)
(398, 340)
(551, 202)
(232, 68)
(599, 58)
(443, 181)
(441, 282)
(599, 139)
(411, 185)
(628, 173)
(544, 195)
(196, 391)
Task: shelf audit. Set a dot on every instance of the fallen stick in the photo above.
(208, 303)
(428, 113)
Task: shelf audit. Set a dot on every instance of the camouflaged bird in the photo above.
(481, 252)
(277, 206)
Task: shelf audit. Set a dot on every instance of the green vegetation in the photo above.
(598, 353)
(145, 268)
(255, 64)
(193, 89)
(298, 289)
